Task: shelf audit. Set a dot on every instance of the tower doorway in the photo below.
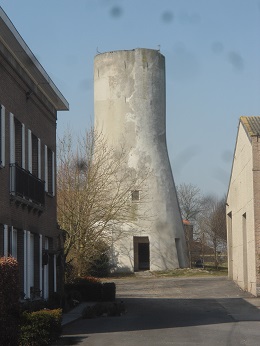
(141, 253)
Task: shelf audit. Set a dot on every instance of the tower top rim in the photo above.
(129, 50)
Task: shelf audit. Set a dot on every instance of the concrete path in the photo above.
(174, 311)
(75, 313)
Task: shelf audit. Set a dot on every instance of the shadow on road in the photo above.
(69, 340)
(147, 314)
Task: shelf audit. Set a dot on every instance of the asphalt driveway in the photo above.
(174, 311)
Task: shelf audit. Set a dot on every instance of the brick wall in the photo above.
(39, 116)
(42, 122)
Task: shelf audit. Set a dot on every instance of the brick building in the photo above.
(29, 102)
(243, 208)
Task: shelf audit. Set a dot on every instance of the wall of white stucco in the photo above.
(129, 100)
(240, 201)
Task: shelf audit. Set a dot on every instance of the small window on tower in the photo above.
(135, 195)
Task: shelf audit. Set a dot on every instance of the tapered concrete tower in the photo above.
(129, 100)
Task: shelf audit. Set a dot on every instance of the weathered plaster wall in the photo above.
(256, 184)
(240, 202)
(129, 100)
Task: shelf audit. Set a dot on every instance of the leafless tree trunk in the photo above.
(212, 223)
(93, 196)
(190, 202)
(208, 217)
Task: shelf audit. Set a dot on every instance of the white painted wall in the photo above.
(129, 100)
(240, 201)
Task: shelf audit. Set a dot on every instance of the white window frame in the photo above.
(27, 263)
(55, 273)
(31, 262)
(39, 159)
(12, 139)
(5, 240)
(46, 273)
(2, 137)
(53, 173)
(30, 151)
(23, 146)
(25, 271)
(46, 167)
(46, 170)
(14, 242)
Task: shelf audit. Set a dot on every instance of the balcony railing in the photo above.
(26, 186)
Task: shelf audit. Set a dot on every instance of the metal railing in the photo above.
(26, 186)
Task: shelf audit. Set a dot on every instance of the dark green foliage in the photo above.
(100, 266)
(70, 272)
(90, 289)
(9, 301)
(84, 290)
(40, 327)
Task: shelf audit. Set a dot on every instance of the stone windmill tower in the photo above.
(129, 101)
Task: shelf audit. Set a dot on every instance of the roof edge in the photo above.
(47, 87)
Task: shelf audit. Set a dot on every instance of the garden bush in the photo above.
(108, 292)
(84, 289)
(100, 266)
(9, 301)
(90, 289)
(40, 327)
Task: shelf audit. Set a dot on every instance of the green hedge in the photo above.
(108, 292)
(91, 289)
(40, 327)
(9, 301)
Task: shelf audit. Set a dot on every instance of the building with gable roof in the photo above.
(243, 207)
(29, 102)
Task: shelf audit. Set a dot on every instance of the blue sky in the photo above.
(212, 51)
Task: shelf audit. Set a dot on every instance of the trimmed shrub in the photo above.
(108, 292)
(85, 289)
(40, 327)
(90, 289)
(9, 301)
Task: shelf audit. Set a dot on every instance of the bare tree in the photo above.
(190, 201)
(94, 196)
(207, 216)
(191, 204)
(212, 223)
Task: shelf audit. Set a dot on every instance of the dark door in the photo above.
(143, 256)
